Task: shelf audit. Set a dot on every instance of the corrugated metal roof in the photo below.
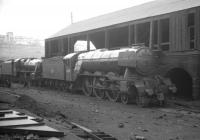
(149, 9)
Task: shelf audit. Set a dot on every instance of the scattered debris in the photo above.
(144, 130)
(195, 125)
(63, 116)
(137, 137)
(130, 117)
(120, 125)
(161, 116)
(179, 116)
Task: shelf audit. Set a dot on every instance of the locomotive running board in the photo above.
(91, 134)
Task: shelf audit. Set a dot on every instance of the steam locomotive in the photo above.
(125, 74)
(18, 70)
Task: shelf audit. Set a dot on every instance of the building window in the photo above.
(155, 34)
(143, 33)
(191, 30)
(54, 47)
(164, 34)
(133, 34)
(65, 43)
(47, 48)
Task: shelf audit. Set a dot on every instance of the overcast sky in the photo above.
(42, 18)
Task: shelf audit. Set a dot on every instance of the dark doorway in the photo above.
(183, 82)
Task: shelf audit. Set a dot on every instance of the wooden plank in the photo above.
(44, 131)
(13, 118)
(82, 127)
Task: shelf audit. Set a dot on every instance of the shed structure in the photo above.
(172, 26)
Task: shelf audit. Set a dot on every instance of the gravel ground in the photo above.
(118, 120)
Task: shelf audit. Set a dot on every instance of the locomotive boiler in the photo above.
(141, 59)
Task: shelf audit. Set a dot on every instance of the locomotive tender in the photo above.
(127, 75)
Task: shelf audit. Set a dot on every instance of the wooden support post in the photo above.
(129, 35)
(88, 42)
(107, 40)
(135, 34)
(151, 35)
(68, 45)
(49, 46)
(46, 49)
(159, 35)
(197, 28)
(62, 46)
